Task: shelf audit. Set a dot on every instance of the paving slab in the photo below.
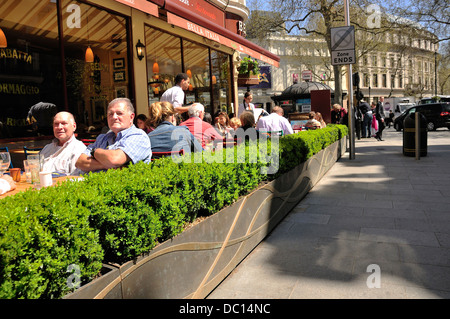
(381, 209)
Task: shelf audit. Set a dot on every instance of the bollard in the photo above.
(415, 141)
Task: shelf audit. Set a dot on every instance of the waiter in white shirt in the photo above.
(62, 153)
(247, 104)
(175, 94)
(275, 122)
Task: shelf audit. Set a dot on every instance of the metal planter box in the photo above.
(193, 263)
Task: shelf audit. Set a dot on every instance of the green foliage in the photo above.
(248, 66)
(117, 215)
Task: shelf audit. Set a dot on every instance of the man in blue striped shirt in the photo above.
(124, 142)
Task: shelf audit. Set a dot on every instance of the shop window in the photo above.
(196, 65)
(209, 70)
(221, 82)
(163, 61)
(31, 71)
(31, 89)
(92, 85)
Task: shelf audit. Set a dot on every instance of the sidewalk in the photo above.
(381, 209)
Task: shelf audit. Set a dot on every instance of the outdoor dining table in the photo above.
(22, 185)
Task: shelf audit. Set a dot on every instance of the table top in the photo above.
(23, 185)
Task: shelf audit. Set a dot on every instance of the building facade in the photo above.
(79, 55)
(402, 65)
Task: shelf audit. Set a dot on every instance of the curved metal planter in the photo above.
(193, 263)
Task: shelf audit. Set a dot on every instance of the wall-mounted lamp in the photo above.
(3, 43)
(140, 50)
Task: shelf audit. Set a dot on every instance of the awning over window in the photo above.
(189, 20)
(142, 5)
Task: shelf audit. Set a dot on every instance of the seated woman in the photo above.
(235, 123)
(312, 123)
(320, 119)
(248, 125)
(166, 136)
(223, 124)
(140, 123)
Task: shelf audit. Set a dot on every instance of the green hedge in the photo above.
(117, 215)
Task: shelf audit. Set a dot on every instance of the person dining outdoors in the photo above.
(319, 118)
(312, 123)
(248, 125)
(275, 122)
(140, 123)
(339, 115)
(166, 136)
(124, 143)
(202, 131)
(62, 153)
(235, 123)
(6, 184)
(223, 125)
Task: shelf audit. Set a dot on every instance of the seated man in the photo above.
(124, 142)
(275, 122)
(202, 131)
(62, 153)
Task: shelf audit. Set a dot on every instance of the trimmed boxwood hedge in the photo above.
(117, 215)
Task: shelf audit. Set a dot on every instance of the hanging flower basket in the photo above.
(248, 72)
(244, 79)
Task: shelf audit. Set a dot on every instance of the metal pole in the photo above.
(435, 73)
(351, 111)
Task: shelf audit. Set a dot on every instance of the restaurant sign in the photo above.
(142, 5)
(202, 8)
(185, 24)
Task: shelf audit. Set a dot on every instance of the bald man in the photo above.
(62, 153)
(275, 122)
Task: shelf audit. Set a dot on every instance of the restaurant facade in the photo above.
(76, 56)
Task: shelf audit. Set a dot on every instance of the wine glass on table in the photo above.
(5, 161)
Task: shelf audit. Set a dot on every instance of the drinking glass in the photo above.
(5, 161)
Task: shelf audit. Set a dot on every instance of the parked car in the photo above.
(435, 99)
(437, 115)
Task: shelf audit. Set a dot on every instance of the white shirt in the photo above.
(248, 107)
(174, 95)
(274, 122)
(62, 159)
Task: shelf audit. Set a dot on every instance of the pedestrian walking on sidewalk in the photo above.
(367, 118)
(379, 115)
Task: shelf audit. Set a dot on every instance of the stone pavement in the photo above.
(377, 226)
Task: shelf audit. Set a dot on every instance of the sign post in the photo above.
(343, 53)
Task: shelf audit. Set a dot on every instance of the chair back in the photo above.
(272, 133)
(87, 141)
(31, 151)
